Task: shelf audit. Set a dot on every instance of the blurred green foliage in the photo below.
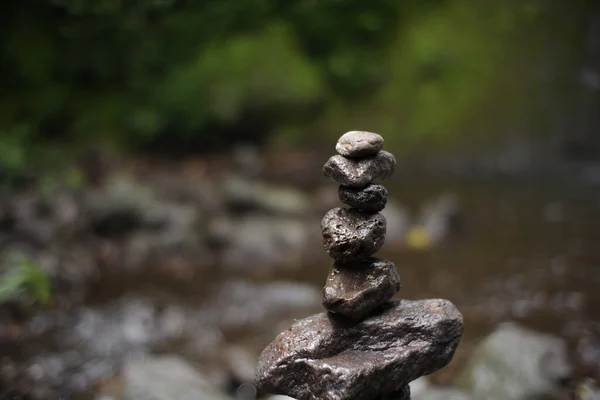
(188, 74)
(24, 160)
(22, 281)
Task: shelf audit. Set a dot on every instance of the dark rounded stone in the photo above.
(359, 144)
(322, 358)
(360, 172)
(350, 234)
(357, 289)
(372, 198)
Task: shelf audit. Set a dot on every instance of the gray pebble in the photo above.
(321, 357)
(357, 289)
(351, 235)
(372, 198)
(360, 172)
(359, 144)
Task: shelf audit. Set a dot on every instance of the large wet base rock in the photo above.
(324, 358)
(357, 289)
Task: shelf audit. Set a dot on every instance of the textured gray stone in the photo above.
(515, 363)
(359, 144)
(360, 172)
(350, 235)
(372, 198)
(357, 289)
(166, 378)
(322, 357)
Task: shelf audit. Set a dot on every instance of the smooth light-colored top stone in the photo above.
(359, 144)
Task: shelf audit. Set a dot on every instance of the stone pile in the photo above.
(366, 346)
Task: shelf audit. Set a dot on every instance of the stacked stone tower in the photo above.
(366, 346)
(358, 283)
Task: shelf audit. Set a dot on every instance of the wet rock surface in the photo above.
(322, 358)
(356, 290)
(359, 172)
(359, 144)
(350, 235)
(371, 198)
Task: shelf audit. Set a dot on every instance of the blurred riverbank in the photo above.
(214, 257)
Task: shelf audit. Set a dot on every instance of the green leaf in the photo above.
(23, 280)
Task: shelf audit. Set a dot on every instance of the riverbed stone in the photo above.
(359, 144)
(350, 234)
(421, 389)
(371, 198)
(360, 172)
(166, 378)
(515, 363)
(322, 357)
(587, 390)
(357, 289)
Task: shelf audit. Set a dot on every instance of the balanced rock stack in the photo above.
(366, 346)
(358, 283)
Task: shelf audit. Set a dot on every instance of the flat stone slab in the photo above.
(359, 172)
(356, 290)
(372, 198)
(359, 144)
(351, 235)
(321, 357)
